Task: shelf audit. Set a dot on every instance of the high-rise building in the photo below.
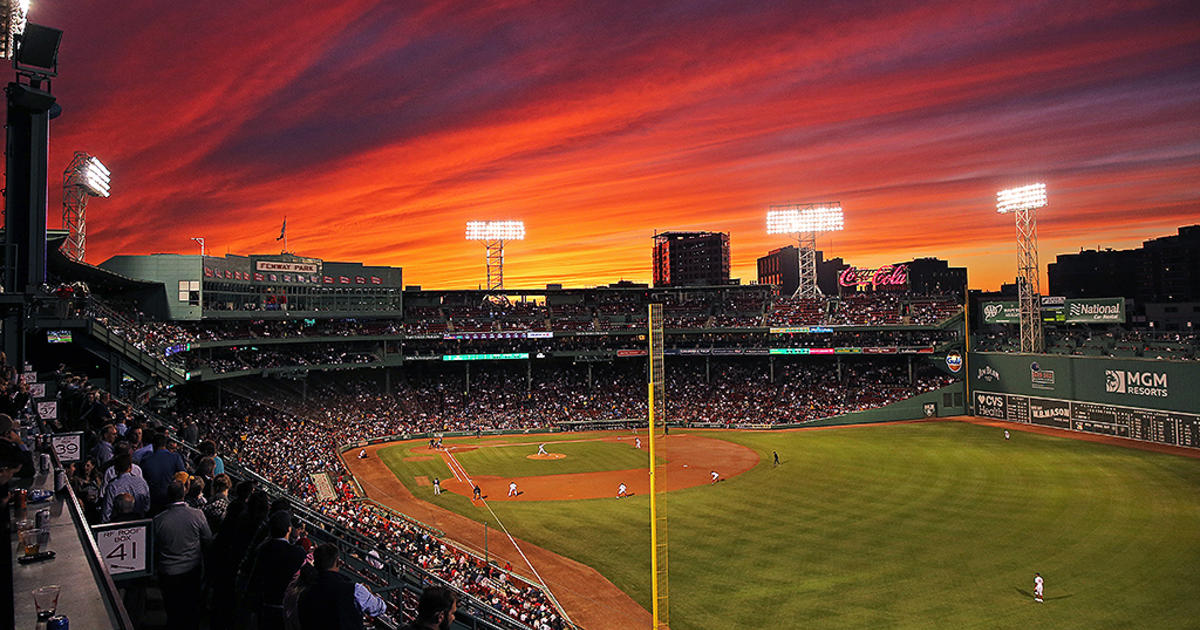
(934, 276)
(1165, 269)
(781, 268)
(691, 259)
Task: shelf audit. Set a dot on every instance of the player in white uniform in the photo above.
(512, 488)
(1006, 434)
(715, 477)
(362, 454)
(1037, 588)
(437, 486)
(621, 491)
(542, 449)
(637, 442)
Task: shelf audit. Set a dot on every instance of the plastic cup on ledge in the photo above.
(45, 598)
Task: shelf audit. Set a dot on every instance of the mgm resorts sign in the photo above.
(1135, 383)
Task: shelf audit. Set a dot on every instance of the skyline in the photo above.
(380, 130)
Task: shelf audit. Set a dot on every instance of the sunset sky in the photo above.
(380, 127)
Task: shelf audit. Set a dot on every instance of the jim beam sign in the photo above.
(1135, 383)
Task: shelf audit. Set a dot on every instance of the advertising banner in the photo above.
(1145, 383)
(1095, 310)
(1001, 313)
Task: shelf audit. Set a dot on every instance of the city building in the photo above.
(1165, 269)
(781, 269)
(691, 259)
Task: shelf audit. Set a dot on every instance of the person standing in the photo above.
(541, 449)
(477, 493)
(637, 442)
(125, 482)
(512, 488)
(159, 468)
(775, 454)
(275, 562)
(1006, 434)
(715, 478)
(180, 535)
(621, 491)
(1037, 588)
(334, 601)
(437, 486)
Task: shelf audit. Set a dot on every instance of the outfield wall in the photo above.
(947, 401)
(1142, 399)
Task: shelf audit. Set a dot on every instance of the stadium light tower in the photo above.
(1023, 202)
(493, 234)
(85, 177)
(806, 220)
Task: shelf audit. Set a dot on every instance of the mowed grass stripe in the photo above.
(910, 526)
(585, 456)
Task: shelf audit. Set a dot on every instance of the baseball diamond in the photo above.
(848, 532)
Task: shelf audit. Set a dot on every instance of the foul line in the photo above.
(510, 537)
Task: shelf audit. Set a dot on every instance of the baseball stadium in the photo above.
(252, 440)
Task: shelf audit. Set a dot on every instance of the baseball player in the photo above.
(775, 454)
(542, 449)
(437, 486)
(637, 442)
(362, 454)
(512, 488)
(477, 493)
(621, 491)
(1037, 588)
(715, 478)
(1006, 434)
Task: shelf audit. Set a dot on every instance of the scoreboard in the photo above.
(1148, 425)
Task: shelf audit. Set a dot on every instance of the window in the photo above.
(189, 291)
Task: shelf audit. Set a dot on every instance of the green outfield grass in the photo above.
(937, 525)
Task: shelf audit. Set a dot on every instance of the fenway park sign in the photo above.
(887, 275)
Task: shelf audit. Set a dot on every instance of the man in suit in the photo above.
(276, 561)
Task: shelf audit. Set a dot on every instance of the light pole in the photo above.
(200, 240)
(85, 177)
(493, 234)
(1023, 202)
(805, 220)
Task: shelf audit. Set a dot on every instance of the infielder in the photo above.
(542, 449)
(715, 477)
(512, 488)
(621, 491)
(1037, 588)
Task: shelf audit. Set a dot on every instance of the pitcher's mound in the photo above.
(546, 456)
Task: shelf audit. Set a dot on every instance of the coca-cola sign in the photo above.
(887, 275)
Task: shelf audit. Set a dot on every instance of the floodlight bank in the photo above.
(495, 230)
(1022, 198)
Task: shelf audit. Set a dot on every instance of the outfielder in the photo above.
(1037, 588)
(637, 442)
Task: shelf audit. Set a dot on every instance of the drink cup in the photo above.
(29, 541)
(45, 598)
